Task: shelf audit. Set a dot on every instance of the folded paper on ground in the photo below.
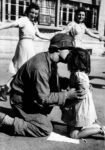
(61, 138)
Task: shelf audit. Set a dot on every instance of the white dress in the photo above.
(25, 47)
(84, 111)
(77, 31)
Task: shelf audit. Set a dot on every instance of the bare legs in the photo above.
(87, 131)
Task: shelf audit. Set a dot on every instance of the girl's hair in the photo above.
(31, 6)
(79, 59)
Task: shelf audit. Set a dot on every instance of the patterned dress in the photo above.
(25, 47)
(84, 111)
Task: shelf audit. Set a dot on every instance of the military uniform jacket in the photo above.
(34, 86)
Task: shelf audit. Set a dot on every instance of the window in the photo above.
(64, 17)
(95, 18)
(15, 9)
(21, 8)
(6, 10)
(47, 16)
(91, 16)
(10, 11)
(67, 11)
(47, 12)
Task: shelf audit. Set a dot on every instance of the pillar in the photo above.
(101, 27)
(0, 10)
(57, 13)
(3, 10)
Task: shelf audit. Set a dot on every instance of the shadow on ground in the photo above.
(99, 86)
(96, 77)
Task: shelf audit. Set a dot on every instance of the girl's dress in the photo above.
(77, 31)
(25, 47)
(84, 111)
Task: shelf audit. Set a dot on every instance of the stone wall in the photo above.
(9, 39)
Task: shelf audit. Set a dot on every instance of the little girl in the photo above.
(84, 121)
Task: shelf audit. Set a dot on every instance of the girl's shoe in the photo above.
(103, 130)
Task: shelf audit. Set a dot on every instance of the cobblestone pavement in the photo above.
(97, 78)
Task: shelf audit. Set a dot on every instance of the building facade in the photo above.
(54, 15)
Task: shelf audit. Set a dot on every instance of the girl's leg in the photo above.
(87, 131)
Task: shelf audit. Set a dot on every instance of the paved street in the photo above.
(97, 78)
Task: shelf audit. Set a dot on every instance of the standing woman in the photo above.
(77, 29)
(27, 31)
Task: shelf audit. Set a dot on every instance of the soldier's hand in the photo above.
(81, 94)
(74, 95)
(71, 94)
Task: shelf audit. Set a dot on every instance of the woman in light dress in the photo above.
(77, 29)
(28, 30)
